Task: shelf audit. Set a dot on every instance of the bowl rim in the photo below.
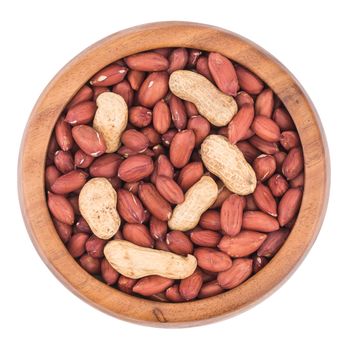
(66, 83)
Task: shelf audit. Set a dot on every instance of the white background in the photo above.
(311, 310)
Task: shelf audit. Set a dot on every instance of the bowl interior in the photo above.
(64, 86)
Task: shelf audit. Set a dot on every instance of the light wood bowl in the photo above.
(63, 87)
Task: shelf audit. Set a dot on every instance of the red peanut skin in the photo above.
(240, 124)
(90, 264)
(264, 146)
(63, 230)
(138, 234)
(135, 78)
(178, 59)
(179, 243)
(82, 226)
(158, 228)
(169, 189)
(130, 207)
(278, 185)
(106, 166)
(89, 140)
(60, 208)
(151, 285)
(210, 220)
(248, 81)
(231, 215)
(76, 245)
(134, 140)
(200, 127)
(168, 137)
(189, 287)
(210, 289)
(283, 119)
(154, 202)
(273, 243)
(113, 74)
(126, 284)
(153, 89)
(244, 98)
(264, 200)
(94, 246)
(181, 148)
(191, 109)
(124, 90)
(81, 113)
(293, 164)
(289, 205)
(173, 294)
(249, 151)
(178, 112)
(51, 174)
(227, 82)
(140, 116)
(266, 129)
(63, 135)
(205, 238)
(259, 262)
(240, 270)
(289, 139)
(64, 161)
(259, 221)
(82, 160)
(212, 260)
(190, 174)
(70, 182)
(135, 168)
(243, 244)
(161, 117)
(203, 68)
(147, 61)
(84, 94)
(163, 167)
(264, 167)
(264, 103)
(109, 275)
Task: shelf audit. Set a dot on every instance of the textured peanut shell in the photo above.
(211, 103)
(227, 162)
(97, 204)
(111, 119)
(197, 200)
(134, 261)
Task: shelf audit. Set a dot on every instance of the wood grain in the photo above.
(63, 87)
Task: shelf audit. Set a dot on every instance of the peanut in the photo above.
(228, 163)
(111, 119)
(211, 103)
(197, 200)
(135, 262)
(97, 204)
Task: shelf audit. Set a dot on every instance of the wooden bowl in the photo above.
(68, 81)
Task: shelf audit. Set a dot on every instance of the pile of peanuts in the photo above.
(174, 175)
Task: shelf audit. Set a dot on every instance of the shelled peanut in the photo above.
(174, 174)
